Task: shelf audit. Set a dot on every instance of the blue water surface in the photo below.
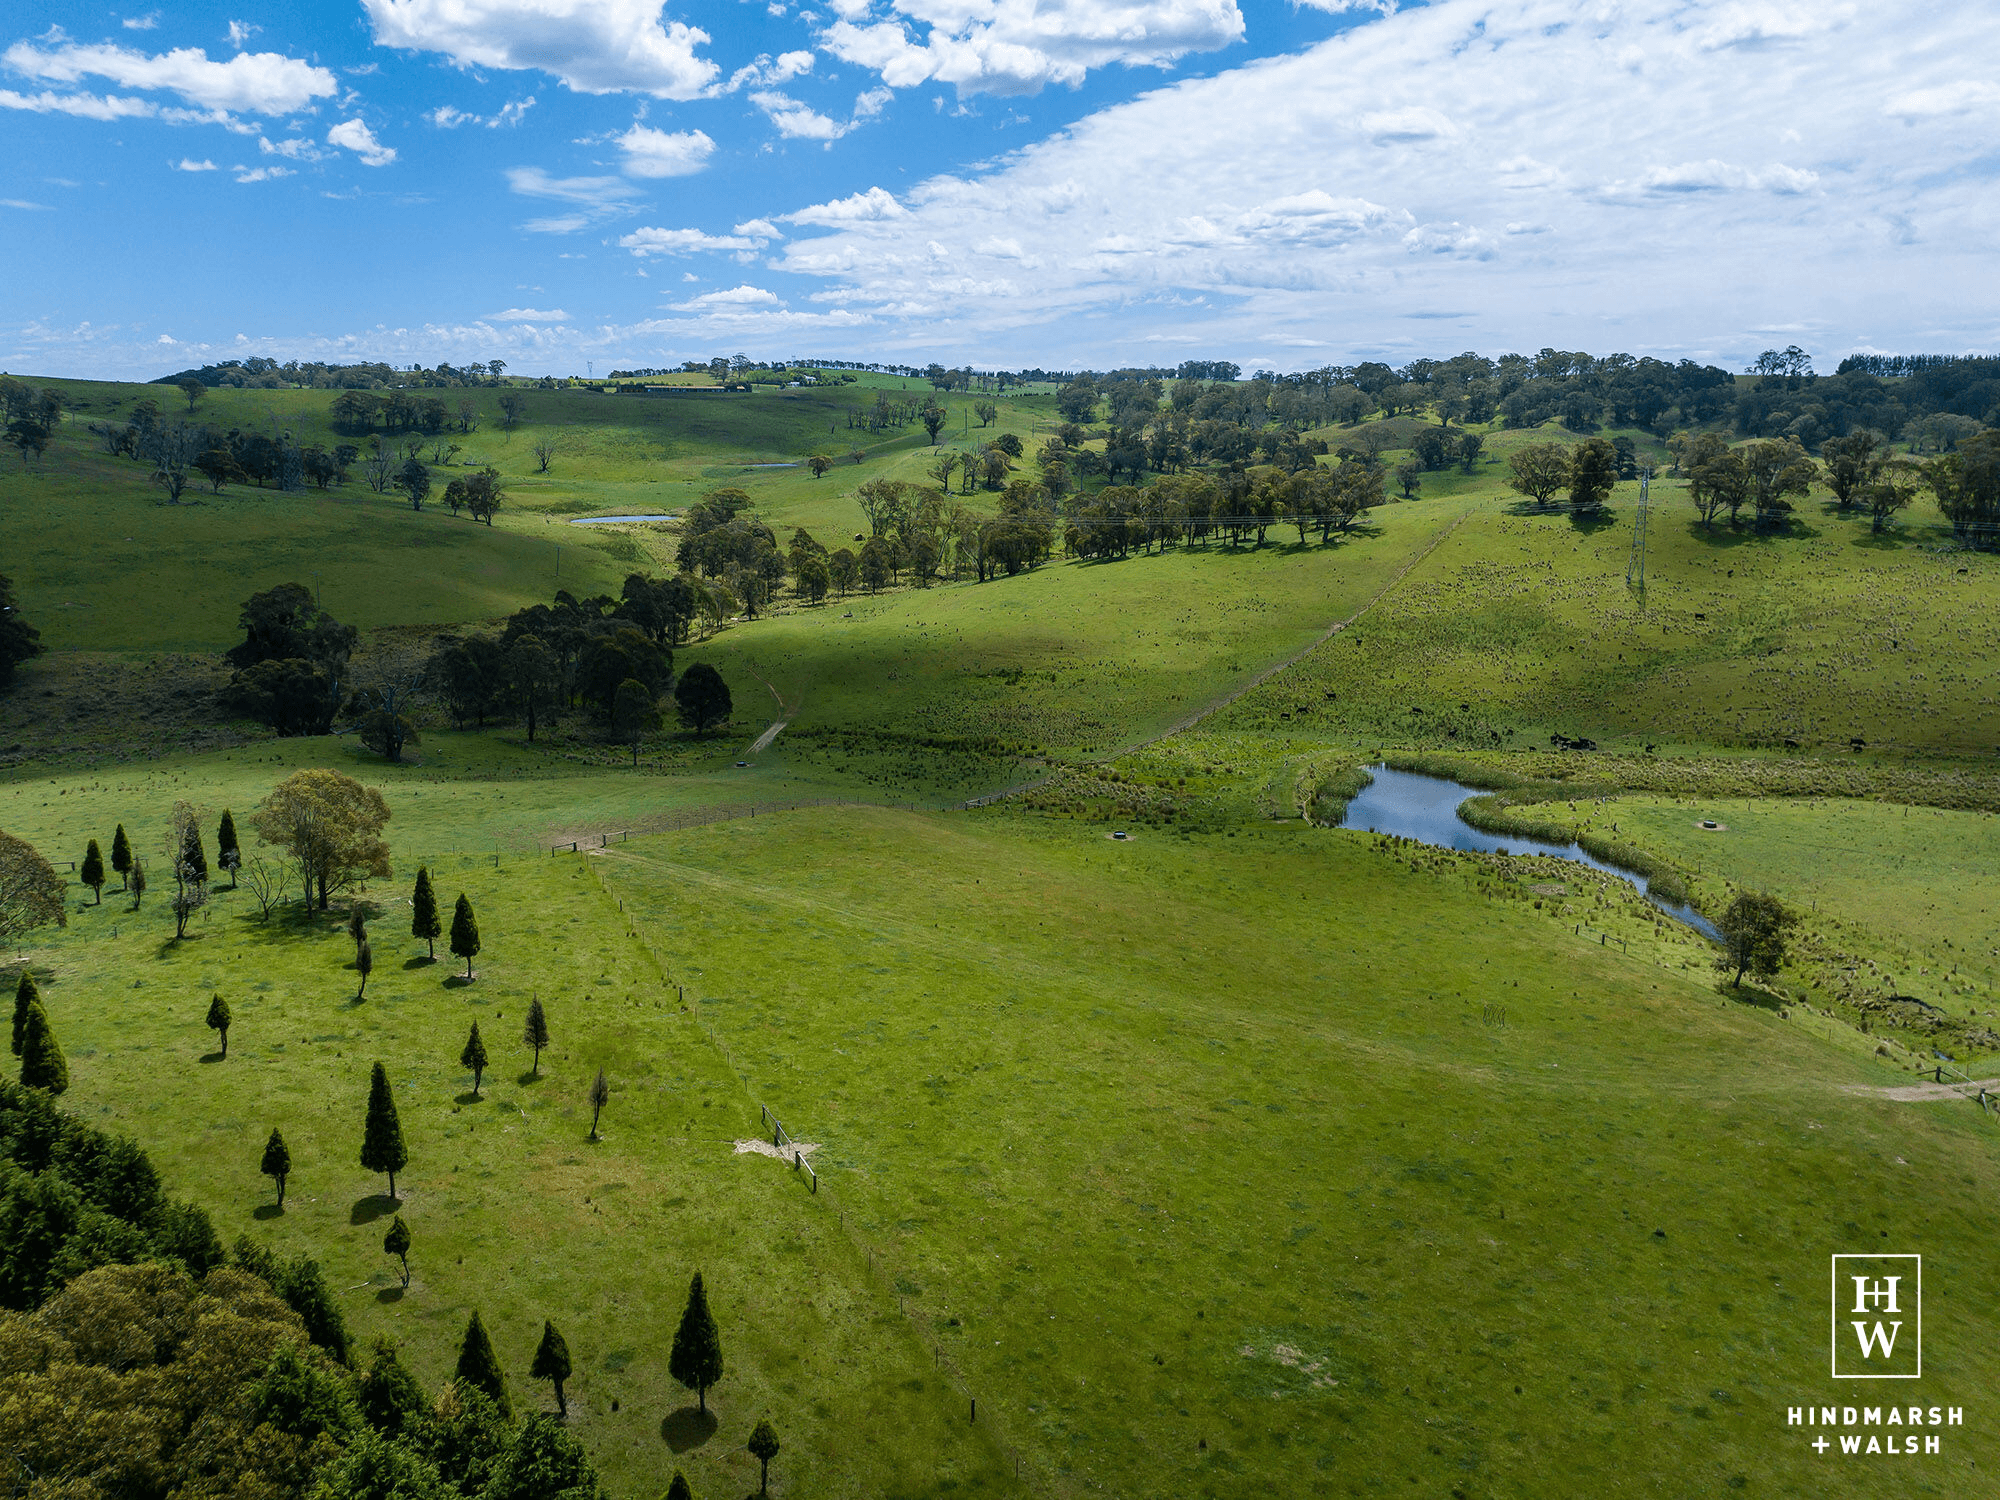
(1425, 808)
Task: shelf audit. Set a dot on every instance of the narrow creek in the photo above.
(1425, 808)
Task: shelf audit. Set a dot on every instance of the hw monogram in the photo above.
(1878, 1319)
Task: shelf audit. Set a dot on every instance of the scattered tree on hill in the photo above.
(600, 1095)
(1539, 470)
(138, 884)
(193, 390)
(634, 715)
(552, 1364)
(810, 577)
(18, 639)
(512, 407)
(1753, 935)
(843, 571)
(267, 884)
(92, 873)
(364, 965)
(414, 480)
(535, 1034)
(479, 1368)
(819, 463)
(1410, 476)
(424, 920)
(1778, 469)
(218, 1020)
(397, 1243)
(763, 1446)
(277, 1163)
(190, 865)
(545, 452)
(702, 698)
(382, 1148)
(121, 856)
(228, 852)
(382, 720)
(330, 825)
(43, 1065)
(474, 1057)
(464, 933)
(1892, 488)
(696, 1360)
(933, 417)
(31, 893)
(357, 924)
(1593, 470)
(27, 993)
(1851, 462)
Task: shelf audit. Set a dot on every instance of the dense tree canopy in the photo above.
(331, 827)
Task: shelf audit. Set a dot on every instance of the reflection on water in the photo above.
(1425, 808)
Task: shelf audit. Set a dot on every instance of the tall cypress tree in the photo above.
(228, 852)
(536, 1033)
(552, 1364)
(382, 1148)
(479, 1368)
(93, 871)
(600, 1095)
(391, 1401)
(121, 856)
(474, 1057)
(25, 994)
(364, 965)
(357, 924)
(424, 921)
(763, 1446)
(192, 858)
(218, 1020)
(696, 1361)
(43, 1065)
(277, 1164)
(464, 932)
(303, 1286)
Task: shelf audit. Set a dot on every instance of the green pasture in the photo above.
(1522, 625)
(1912, 891)
(514, 1211)
(1210, 1168)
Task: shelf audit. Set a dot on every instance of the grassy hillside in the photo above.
(1186, 1159)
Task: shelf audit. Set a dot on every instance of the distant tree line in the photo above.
(258, 373)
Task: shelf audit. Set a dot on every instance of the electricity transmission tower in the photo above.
(1635, 566)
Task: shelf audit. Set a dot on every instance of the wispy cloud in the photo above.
(265, 83)
(593, 46)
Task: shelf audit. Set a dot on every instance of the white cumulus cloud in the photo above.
(665, 153)
(529, 315)
(189, 164)
(736, 298)
(355, 136)
(650, 241)
(593, 46)
(84, 106)
(1006, 47)
(264, 83)
(876, 203)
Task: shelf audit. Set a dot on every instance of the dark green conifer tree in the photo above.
(364, 965)
(93, 871)
(424, 922)
(397, 1243)
(479, 1368)
(464, 933)
(390, 1399)
(42, 1063)
(382, 1148)
(218, 1020)
(25, 994)
(304, 1288)
(121, 856)
(277, 1163)
(678, 1490)
(228, 852)
(552, 1364)
(192, 857)
(474, 1057)
(696, 1360)
(536, 1033)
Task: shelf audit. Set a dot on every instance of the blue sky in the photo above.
(1004, 182)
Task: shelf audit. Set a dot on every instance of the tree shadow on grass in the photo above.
(1880, 541)
(468, 1097)
(213, 1057)
(687, 1428)
(459, 981)
(526, 1079)
(374, 1206)
(1590, 522)
(419, 962)
(267, 1211)
(390, 1294)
